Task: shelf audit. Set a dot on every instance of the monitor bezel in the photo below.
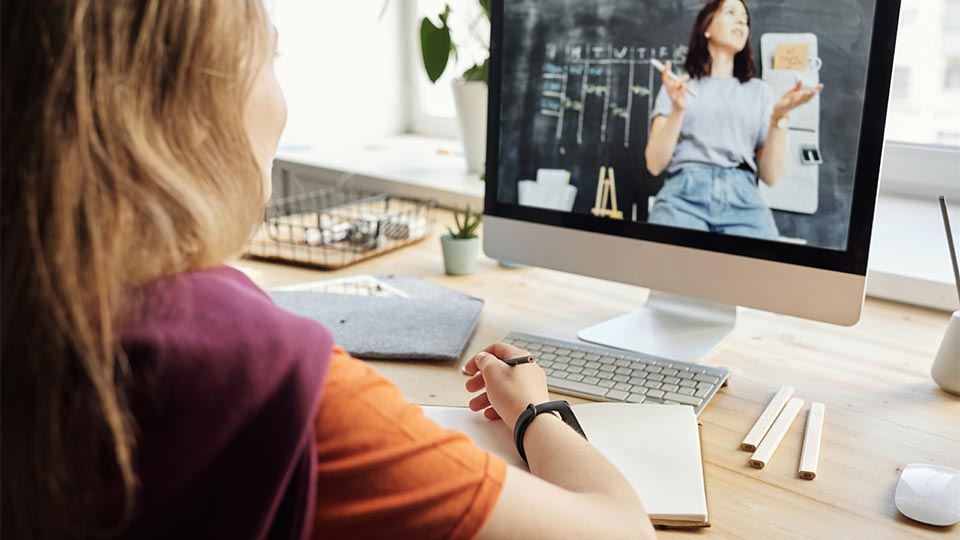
(852, 260)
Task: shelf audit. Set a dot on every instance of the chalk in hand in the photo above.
(662, 68)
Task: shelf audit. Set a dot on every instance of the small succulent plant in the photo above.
(466, 222)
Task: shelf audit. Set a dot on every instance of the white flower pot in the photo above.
(460, 254)
(470, 98)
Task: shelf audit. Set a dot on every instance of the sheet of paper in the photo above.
(791, 56)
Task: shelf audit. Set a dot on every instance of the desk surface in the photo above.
(882, 408)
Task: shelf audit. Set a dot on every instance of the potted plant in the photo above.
(461, 246)
(470, 89)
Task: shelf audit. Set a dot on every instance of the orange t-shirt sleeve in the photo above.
(386, 471)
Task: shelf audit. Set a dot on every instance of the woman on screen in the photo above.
(718, 129)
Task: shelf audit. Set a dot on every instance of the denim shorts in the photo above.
(714, 199)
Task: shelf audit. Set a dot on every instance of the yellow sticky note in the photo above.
(791, 57)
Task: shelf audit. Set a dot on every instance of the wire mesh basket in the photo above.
(332, 228)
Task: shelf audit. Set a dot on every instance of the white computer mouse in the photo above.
(929, 494)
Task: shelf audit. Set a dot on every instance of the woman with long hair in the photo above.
(717, 129)
(148, 390)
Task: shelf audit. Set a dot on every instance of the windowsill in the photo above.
(909, 261)
(408, 165)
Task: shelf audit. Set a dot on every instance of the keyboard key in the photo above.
(548, 349)
(608, 368)
(532, 347)
(652, 400)
(680, 398)
(656, 394)
(669, 387)
(608, 360)
(578, 362)
(669, 372)
(688, 382)
(618, 395)
(575, 377)
(635, 398)
(707, 379)
(549, 372)
(577, 354)
(592, 357)
(637, 380)
(671, 380)
(591, 380)
(642, 390)
(606, 384)
(605, 375)
(624, 371)
(686, 374)
(703, 385)
(652, 368)
(655, 377)
(592, 365)
(548, 356)
(702, 393)
(563, 352)
(623, 363)
(545, 363)
(557, 374)
(622, 386)
(579, 387)
(684, 390)
(652, 384)
(574, 369)
(589, 372)
(621, 378)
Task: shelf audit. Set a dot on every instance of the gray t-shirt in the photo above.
(724, 124)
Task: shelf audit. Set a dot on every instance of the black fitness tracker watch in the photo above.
(531, 412)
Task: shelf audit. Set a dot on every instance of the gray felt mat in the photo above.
(434, 323)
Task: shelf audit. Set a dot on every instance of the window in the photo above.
(951, 79)
(433, 104)
(901, 83)
(926, 74)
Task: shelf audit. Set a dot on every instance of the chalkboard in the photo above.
(577, 88)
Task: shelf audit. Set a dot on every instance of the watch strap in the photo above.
(531, 412)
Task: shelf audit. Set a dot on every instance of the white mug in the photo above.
(946, 366)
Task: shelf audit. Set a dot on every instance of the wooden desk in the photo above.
(883, 409)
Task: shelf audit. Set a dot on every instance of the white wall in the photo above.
(341, 66)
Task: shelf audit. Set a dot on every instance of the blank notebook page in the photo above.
(656, 447)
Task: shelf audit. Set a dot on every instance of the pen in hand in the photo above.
(519, 360)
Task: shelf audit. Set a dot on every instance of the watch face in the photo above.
(782, 123)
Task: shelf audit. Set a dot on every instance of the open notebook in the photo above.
(656, 447)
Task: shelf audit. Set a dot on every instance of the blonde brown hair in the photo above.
(125, 159)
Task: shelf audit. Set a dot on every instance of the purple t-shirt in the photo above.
(225, 388)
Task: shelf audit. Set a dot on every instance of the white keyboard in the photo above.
(603, 374)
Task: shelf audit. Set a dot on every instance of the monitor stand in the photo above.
(669, 326)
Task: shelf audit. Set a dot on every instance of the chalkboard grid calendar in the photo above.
(577, 91)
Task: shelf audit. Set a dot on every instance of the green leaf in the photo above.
(435, 44)
(477, 72)
(485, 4)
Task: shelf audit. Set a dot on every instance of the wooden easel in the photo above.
(606, 188)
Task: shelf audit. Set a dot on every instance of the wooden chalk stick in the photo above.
(772, 440)
(811, 442)
(762, 425)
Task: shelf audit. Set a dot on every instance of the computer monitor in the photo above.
(715, 195)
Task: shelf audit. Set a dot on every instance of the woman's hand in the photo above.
(794, 98)
(509, 388)
(676, 89)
